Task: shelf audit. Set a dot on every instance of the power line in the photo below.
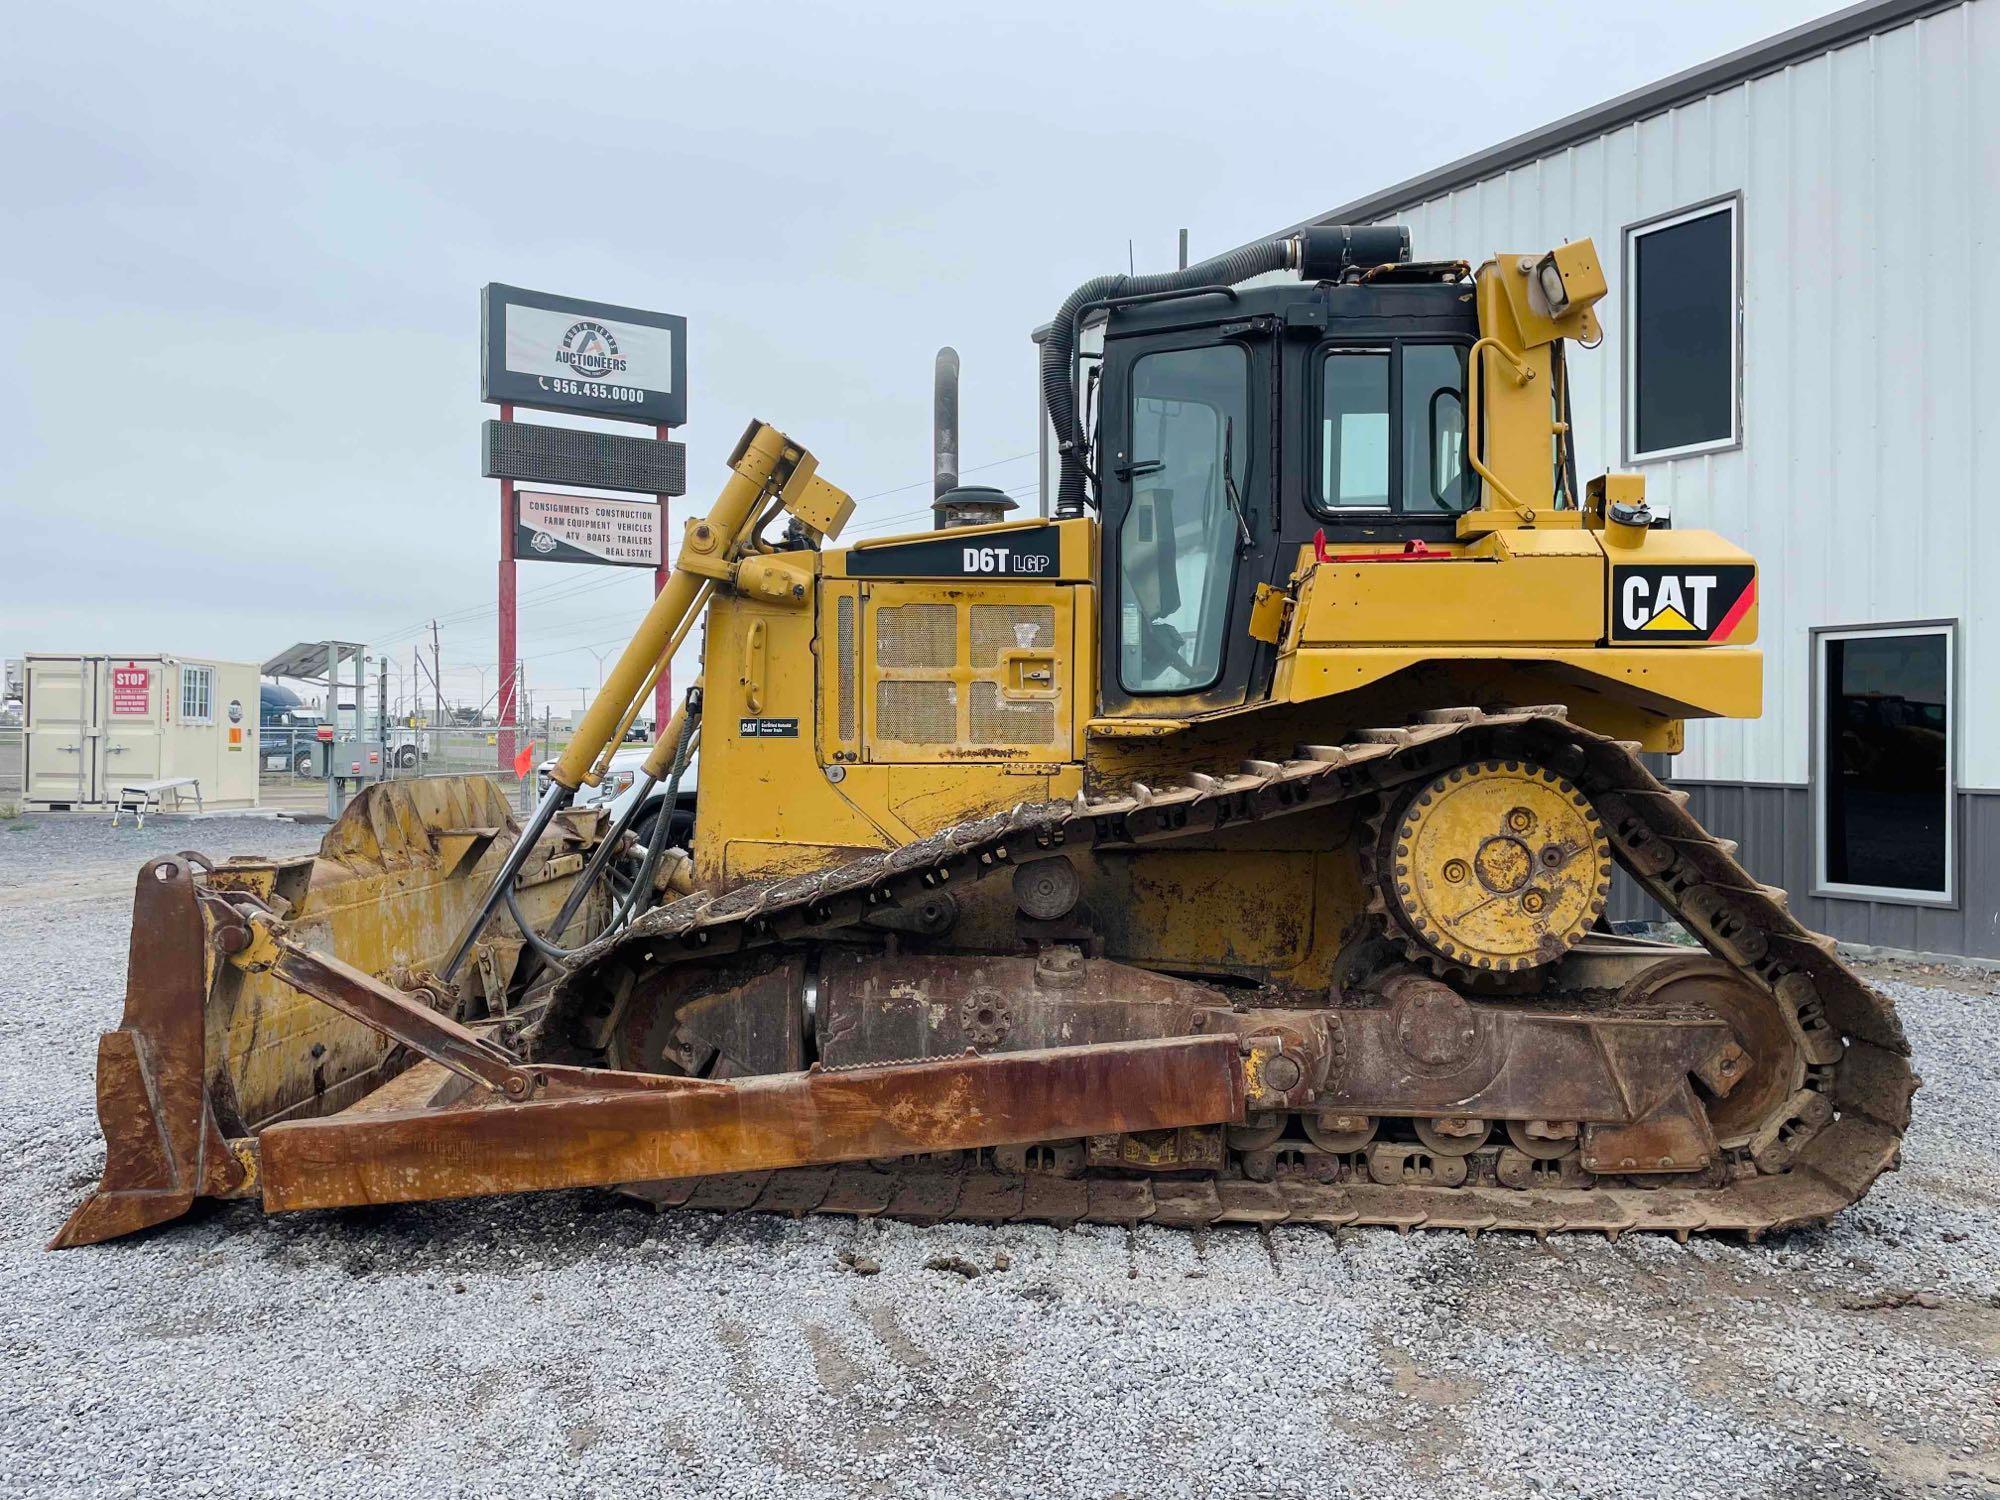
(564, 588)
(548, 593)
(877, 525)
(918, 484)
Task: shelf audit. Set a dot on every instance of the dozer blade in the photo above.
(162, 1145)
(207, 1055)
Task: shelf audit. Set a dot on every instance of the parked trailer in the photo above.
(98, 724)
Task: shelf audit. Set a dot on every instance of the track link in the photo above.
(1817, 1153)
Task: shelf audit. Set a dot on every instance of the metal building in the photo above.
(1796, 355)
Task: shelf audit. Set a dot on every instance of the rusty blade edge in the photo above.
(787, 1120)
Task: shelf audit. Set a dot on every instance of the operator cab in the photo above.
(1228, 430)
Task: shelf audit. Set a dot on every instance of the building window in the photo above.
(1683, 355)
(196, 684)
(1884, 790)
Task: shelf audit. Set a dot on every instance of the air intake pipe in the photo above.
(1321, 252)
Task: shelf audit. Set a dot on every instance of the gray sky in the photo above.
(238, 286)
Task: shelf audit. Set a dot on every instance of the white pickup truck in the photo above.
(617, 789)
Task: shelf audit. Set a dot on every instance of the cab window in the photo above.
(1178, 542)
(1392, 430)
(1354, 429)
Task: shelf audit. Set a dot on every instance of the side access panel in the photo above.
(949, 674)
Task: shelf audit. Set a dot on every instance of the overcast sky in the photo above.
(238, 283)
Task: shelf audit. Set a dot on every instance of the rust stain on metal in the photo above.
(758, 1124)
(162, 1145)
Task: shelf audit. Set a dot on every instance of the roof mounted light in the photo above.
(1549, 281)
(1565, 282)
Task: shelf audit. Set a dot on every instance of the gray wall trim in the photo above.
(1774, 826)
(1691, 782)
(1769, 56)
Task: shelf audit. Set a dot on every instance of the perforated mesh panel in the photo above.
(995, 721)
(916, 635)
(916, 713)
(1010, 627)
(843, 645)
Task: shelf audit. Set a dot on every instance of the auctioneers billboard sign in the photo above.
(586, 529)
(565, 354)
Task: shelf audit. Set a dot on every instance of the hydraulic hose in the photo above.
(1317, 252)
(1059, 348)
(624, 905)
(535, 940)
(657, 843)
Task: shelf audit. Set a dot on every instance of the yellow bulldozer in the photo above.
(1230, 843)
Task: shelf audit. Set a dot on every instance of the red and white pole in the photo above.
(507, 699)
(663, 693)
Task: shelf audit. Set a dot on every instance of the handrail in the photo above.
(1523, 373)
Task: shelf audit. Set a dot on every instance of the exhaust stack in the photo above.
(952, 504)
(944, 423)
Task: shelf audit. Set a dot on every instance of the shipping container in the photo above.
(97, 725)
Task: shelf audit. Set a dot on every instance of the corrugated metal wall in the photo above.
(1774, 826)
(1868, 483)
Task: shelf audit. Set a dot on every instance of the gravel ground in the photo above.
(574, 1345)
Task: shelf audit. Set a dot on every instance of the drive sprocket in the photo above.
(1494, 866)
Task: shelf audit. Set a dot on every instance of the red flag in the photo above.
(525, 761)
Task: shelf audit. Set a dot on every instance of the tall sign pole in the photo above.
(663, 694)
(509, 639)
(627, 364)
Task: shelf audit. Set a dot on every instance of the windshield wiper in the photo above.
(1229, 483)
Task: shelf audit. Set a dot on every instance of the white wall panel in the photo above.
(1866, 482)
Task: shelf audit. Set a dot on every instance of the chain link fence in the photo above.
(293, 762)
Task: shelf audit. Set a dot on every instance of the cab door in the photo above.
(1188, 456)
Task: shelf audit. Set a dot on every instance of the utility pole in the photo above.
(437, 681)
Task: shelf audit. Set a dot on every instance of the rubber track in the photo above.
(1693, 875)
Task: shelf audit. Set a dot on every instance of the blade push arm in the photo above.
(768, 472)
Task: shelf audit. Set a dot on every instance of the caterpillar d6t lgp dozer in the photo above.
(1231, 843)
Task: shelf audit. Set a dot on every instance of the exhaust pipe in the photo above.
(944, 423)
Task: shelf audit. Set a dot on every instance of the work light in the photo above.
(1549, 277)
